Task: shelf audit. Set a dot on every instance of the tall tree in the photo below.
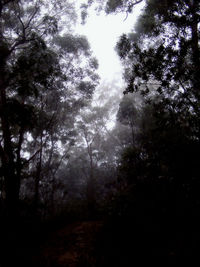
(40, 83)
(162, 54)
(164, 50)
(92, 132)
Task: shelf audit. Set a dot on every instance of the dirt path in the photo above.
(71, 246)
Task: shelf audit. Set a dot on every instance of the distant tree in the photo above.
(129, 114)
(91, 128)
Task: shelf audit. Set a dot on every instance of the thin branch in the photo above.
(44, 143)
(126, 16)
(183, 87)
(63, 156)
(32, 17)
(23, 27)
(32, 157)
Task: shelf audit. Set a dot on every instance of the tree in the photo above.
(91, 128)
(160, 53)
(129, 114)
(109, 6)
(40, 83)
(164, 50)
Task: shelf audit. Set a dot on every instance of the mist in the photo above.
(99, 133)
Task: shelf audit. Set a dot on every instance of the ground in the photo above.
(71, 246)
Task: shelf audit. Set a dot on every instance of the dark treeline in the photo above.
(62, 163)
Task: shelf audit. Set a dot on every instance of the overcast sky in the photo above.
(103, 32)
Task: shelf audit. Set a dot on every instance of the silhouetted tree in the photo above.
(42, 89)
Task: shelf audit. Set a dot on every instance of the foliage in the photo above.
(46, 78)
(164, 53)
(159, 176)
(109, 6)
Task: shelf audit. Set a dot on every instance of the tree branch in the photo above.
(32, 157)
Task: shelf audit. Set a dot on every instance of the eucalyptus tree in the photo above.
(109, 6)
(165, 49)
(164, 52)
(46, 77)
(130, 113)
(91, 128)
(57, 136)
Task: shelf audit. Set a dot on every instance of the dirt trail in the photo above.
(71, 246)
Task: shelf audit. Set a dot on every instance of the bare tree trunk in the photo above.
(38, 176)
(90, 188)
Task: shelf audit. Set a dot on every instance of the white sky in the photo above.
(103, 32)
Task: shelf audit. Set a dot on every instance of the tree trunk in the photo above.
(38, 176)
(90, 189)
(7, 155)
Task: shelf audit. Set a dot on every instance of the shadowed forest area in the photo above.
(74, 191)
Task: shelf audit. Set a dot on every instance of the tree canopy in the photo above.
(46, 77)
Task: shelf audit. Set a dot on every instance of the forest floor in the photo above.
(71, 246)
(102, 243)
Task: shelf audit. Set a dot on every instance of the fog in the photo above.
(99, 133)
